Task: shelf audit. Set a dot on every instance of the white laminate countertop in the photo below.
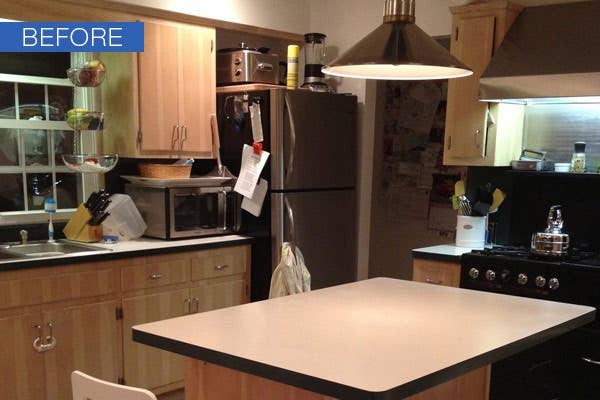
(443, 250)
(142, 244)
(375, 339)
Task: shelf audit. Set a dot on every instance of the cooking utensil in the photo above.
(459, 188)
(220, 170)
(499, 197)
(245, 65)
(464, 205)
(552, 242)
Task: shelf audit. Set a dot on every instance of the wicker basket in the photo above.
(164, 171)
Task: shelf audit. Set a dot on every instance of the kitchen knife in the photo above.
(90, 201)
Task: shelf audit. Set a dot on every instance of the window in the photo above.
(33, 136)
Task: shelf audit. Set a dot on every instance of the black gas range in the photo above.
(567, 367)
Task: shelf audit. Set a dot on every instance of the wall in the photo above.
(290, 16)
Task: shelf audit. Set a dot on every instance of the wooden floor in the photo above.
(176, 395)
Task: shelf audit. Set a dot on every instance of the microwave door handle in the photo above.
(290, 165)
(224, 210)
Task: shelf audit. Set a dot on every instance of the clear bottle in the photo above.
(578, 159)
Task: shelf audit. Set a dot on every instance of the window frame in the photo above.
(88, 184)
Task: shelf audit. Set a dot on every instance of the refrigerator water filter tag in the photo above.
(257, 131)
(254, 205)
(252, 165)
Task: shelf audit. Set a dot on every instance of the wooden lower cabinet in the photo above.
(474, 385)
(146, 366)
(89, 310)
(87, 339)
(22, 375)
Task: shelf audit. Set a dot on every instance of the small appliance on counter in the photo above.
(531, 160)
(247, 65)
(179, 208)
(314, 53)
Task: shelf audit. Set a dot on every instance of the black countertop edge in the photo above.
(110, 255)
(340, 391)
(435, 256)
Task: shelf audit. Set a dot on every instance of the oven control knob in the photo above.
(474, 273)
(522, 279)
(490, 275)
(237, 61)
(505, 275)
(540, 281)
(238, 72)
(553, 283)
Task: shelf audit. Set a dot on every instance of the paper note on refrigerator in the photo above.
(254, 205)
(252, 165)
(257, 132)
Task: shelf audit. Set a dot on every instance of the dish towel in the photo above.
(291, 275)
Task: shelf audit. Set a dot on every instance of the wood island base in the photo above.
(205, 381)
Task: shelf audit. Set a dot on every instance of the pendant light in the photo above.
(398, 50)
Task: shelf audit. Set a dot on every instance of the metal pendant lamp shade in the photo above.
(398, 50)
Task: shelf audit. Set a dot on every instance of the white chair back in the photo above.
(86, 387)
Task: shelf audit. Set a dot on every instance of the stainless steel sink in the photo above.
(49, 249)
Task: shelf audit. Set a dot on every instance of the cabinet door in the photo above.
(146, 366)
(219, 294)
(158, 86)
(436, 272)
(87, 339)
(466, 117)
(197, 86)
(21, 367)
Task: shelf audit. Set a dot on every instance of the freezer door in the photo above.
(316, 136)
(323, 226)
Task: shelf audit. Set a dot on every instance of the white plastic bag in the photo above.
(291, 275)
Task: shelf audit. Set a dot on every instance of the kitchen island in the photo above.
(376, 339)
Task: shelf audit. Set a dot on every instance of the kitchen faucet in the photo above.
(24, 234)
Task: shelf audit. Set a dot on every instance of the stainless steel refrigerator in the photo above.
(312, 138)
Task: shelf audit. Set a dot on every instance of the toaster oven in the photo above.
(185, 212)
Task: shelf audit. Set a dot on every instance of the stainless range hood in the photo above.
(550, 54)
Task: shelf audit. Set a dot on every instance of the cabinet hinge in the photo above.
(139, 136)
(121, 381)
(212, 44)
(449, 142)
(456, 34)
(119, 313)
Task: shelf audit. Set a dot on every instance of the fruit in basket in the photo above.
(81, 119)
(95, 64)
(91, 74)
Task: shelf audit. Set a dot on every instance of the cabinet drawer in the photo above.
(219, 262)
(436, 272)
(51, 287)
(155, 274)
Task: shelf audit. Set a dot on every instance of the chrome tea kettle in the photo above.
(552, 242)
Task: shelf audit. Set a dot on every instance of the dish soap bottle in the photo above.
(578, 159)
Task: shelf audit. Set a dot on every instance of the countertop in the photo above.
(130, 248)
(376, 339)
(442, 252)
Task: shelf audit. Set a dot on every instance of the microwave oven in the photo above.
(185, 212)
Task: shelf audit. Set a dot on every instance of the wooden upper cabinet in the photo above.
(177, 85)
(473, 135)
(159, 103)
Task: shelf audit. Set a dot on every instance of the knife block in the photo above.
(78, 228)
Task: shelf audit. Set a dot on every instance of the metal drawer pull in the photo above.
(433, 281)
(221, 267)
(589, 360)
(196, 301)
(186, 306)
(156, 276)
(50, 341)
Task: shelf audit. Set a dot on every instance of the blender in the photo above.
(314, 53)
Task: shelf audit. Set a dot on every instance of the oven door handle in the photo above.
(224, 194)
(590, 361)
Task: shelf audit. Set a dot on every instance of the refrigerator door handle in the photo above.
(292, 150)
(290, 215)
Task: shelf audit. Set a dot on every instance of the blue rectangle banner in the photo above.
(71, 36)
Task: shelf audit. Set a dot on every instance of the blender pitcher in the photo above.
(314, 53)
